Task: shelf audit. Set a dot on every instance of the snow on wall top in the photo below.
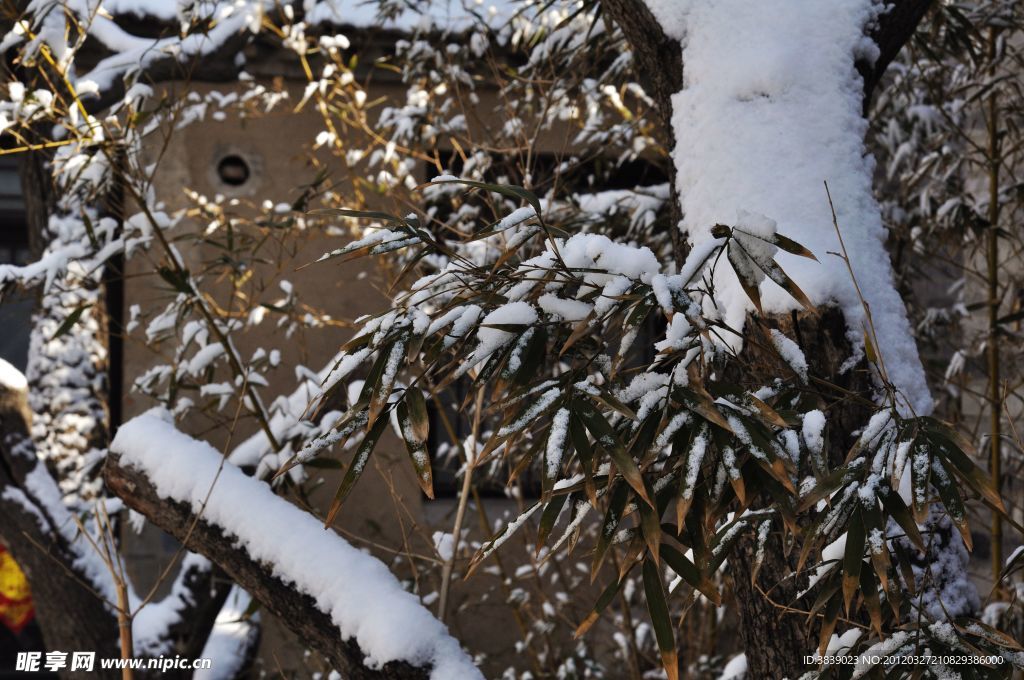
(770, 109)
(231, 17)
(356, 590)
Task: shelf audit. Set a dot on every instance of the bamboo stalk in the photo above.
(995, 463)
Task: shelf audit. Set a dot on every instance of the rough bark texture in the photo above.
(659, 68)
(70, 615)
(777, 640)
(774, 640)
(298, 611)
(892, 32)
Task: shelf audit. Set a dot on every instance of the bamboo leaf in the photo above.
(684, 567)
(605, 599)
(853, 558)
(605, 436)
(511, 191)
(650, 526)
(657, 606)
(415, 427)
(70, 320)
(612, 517)
(356, 468)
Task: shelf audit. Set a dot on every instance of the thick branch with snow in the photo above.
(67, 582)
(343, 602)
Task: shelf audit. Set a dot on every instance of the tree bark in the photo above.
(296, 610)
(776, 640)
(70, 614)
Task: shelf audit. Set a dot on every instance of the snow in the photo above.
(357, 591)
(770, 109)
(840, 645)
(11, 378)
(492, 339)
(231, 636)
(556, 443)
(152, 621)
(444, 545)
(205, 357)
(790, 353)
(736, 669)
(812, 432)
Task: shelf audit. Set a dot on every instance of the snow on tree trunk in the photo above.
(67, 371)
(770, 109)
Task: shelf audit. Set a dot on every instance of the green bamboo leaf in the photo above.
(650, 526)
(605, 599)
(657, 606)
(869, 590)
(356, 468)
(901, 513)
(605, 436)
(950, 496)
(688, 571)
(853, 557)
(828, 623)
(360, 214)
(70, 321)
(550, 516)
(612, 517)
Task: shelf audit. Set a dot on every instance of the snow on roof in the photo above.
(356, 590)
(230, 18)
(770, 110)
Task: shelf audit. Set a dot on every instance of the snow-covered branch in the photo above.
(345, 603)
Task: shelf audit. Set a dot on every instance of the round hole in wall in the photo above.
(233, 170)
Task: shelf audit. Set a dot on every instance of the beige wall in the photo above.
(386, 509)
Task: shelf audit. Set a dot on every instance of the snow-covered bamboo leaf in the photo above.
(415, 427)
(693, 444)
(499, 539)
(356, 468)
(612, 517)
(749, 280)
(606, 437)
(505, 190)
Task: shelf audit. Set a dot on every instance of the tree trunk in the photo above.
(70, 614)
(774, 640)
